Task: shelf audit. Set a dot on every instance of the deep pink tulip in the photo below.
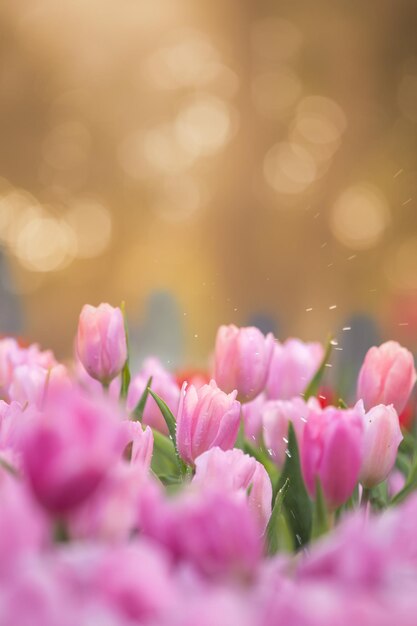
(276, 416)
(387, 376)
(332, 451)
(382, 436)
(69, 447)
(241, 360)
(207, 417)
(163, 384)
(101, 341)
(232, 470)
(293, 365)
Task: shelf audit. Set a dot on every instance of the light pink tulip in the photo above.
(382, 436)
(207, 417)
(235, 471)
(142, 443)
(68, 448)
(387, 376)
(276, 416)
(163, 384)
(332, 451)
(293, 365)
(31, 384)
(101, 341)
(252, 418)
(241, 360)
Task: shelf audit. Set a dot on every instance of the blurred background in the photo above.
(209, 162)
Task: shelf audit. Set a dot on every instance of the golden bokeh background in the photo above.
(208, 162)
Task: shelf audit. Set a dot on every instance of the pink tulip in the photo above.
(276, 416)
(163, 384)
(332, 451)
(212, 530)
(293, 365)
(101, 341)
(382, 436)
(207, 417)
(241, 360)
(252, 418)
(68, 448)
(141, 441)
(31, 384)
(387, 376)
(232, 470)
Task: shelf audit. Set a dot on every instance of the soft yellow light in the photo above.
(275, 39)
(92, 225)
(204, 125)
(407, 96)
(164, 151)
(178, 198)
(45, 244)
(275, 92)
(401, 266)
(289, 168)
(67, 146)
(360, 217)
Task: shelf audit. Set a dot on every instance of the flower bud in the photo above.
(241, 361)
(207, 417)
(293, 365)
(68, 448)
(332, 451)
(232, 470)
(387, 376)
(101, 341)
(382, 437)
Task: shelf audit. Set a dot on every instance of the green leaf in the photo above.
(9, 467)
(320, 514)
(260, 455)
(126, 368)
(172, 427)
(342, 404)
(273, 528)
(313, 386)
(297, 504)
(140, 407)
(164, 458)
(410, 485)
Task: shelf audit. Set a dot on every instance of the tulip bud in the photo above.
(293, 365)
(276, 416)
(207, 417)
(382, 437)
(332, 451)
(241, 360)
(163, 384)
(232, 470)
(101, 341)
(387, 376)
(68, 448)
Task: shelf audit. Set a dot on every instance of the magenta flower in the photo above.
(101, 341)
(207, 417)
(332, 451)
(293, 365)
(387, 376)
(68, 448)
(241, 360)
(234, 471)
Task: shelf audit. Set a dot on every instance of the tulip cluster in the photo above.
(128, 498)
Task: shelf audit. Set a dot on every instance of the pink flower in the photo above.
(241, 360)
(332, 451)
(382, 437)
(101, 341)
(293, 365)
(207, 417)
(276, 416)
(163, 384)
(31, 384)
(234, 471)
(214, 531)
(387, 376)
(252, 418)
(68, 448)
(142, 443)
